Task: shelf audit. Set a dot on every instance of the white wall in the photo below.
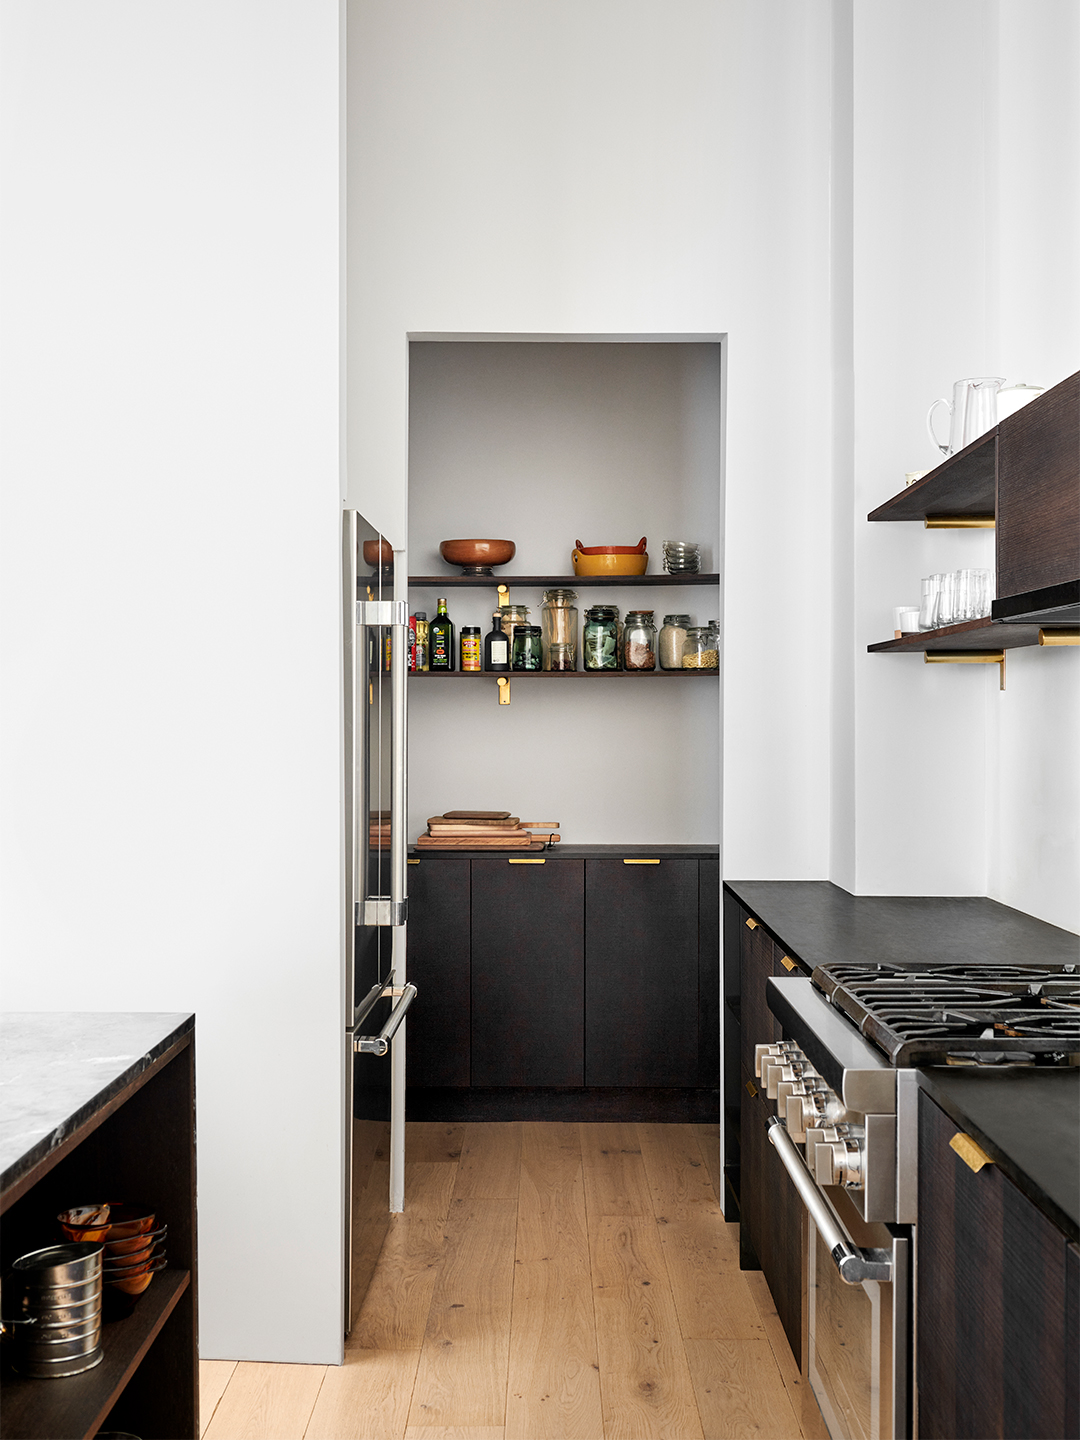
(171, 674)
(624, 168)
(546, 444)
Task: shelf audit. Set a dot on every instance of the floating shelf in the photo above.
(543, 582)
(516, 675)
(964, 486)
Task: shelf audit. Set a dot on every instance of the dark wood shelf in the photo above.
(78, 1405)
(516, 675)
(541, 582)
(981, 634)
(964, 485)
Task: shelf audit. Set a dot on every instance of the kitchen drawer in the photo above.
(642, 1012)
(528, 961)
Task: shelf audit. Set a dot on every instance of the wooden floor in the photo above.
(546, 1282)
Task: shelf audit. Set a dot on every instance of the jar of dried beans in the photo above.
(639, 641)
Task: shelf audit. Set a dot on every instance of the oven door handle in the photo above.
(854, 1265)
(380, 1044)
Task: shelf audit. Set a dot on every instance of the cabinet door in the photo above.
(709, 972)
(641, 989)
(760, 958)
(528, 994)
(438, 965)
(772, 1227)
(991, 1300)
(1038, 495)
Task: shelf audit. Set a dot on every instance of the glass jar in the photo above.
(600, 638)
(509, 616)
(527, 652)
(639, 641)
(559, 621)
(672, 636)
(561, 657)
(700, 650)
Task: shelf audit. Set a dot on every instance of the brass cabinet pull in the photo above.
(414, 862)
(751, 924)
(641, 862)
(788, 963)
(520, 860)
(751, 1089)
(972, 1154)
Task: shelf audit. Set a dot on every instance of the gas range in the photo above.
(961, 1014)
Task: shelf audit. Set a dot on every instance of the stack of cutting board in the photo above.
(486, 830)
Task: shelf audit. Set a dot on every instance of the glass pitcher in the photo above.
(972, 411)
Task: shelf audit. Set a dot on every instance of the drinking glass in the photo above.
(930, 586)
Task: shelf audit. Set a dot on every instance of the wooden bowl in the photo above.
(379, 554)
(476, 557)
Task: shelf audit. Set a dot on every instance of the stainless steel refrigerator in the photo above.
(375, 632)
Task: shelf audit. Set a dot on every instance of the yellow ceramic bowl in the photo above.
(609, 564)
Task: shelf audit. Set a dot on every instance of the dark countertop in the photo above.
(58, 1069)
(822, 924)
(583, 852)
(1029, 1122)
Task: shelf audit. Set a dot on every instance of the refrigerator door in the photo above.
(375, 632)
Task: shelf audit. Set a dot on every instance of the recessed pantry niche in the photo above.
(545, 442)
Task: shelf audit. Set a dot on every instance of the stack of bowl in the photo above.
(60, 1310)
(134, 1249)
(682, 557)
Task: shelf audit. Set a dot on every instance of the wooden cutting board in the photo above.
(475, 815)
(450, 842)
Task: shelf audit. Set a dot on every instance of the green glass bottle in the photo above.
(441, 640)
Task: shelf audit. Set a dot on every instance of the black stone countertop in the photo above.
(822, 924)
(1029, 1122)
(59, 1068)
(1027, 1119)
(581, 852)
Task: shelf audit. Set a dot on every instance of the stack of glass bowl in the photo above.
(681, 557)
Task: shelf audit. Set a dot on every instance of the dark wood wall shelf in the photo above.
(981, 634)
(516, 675)
(541, 582)
(964, 485)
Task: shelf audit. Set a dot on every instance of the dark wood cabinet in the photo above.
(641, 1000)
(439, 961)
(708, 996)
(991, 1313)
(773, 1222)
(528, 971)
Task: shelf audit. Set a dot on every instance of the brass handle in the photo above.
(519, 860)
(751, 1089)
(414, 862)
(751, 924)
(641, 862)
(788, 963)
(972, 1154)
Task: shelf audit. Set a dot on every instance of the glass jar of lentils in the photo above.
(639, 641)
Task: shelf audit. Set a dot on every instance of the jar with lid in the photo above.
(559, 622)
(600, 638)
(509, 616)
(561, 657)
(527, 653)
(672, 637)
(639, 641)
(700, 650)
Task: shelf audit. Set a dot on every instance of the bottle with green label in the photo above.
(441, 640)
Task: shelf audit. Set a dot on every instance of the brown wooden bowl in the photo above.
(379, 554)
(476, 557)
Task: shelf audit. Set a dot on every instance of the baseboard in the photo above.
(471, 1104)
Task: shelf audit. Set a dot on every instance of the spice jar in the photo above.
(561, 657)
(600, 638)
(672, 636)
(639, 641)
(527, 652)
(559, 621)
(511, 615)
(700, 651)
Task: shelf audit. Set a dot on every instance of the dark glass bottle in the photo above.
(496, 646)
(441, 640)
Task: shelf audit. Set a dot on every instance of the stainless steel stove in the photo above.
(845, 1126)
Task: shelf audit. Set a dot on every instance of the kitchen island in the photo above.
(100, 1106)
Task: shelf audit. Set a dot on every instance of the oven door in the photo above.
(858, 1285)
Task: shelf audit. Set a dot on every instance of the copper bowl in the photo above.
(129, 1219)
(379, 554)
(476, 557)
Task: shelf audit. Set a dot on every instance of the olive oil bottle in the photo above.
(441, 640)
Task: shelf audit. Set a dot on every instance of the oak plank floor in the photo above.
(546, 1282)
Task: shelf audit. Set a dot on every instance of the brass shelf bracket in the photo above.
(967, 657)
(958, 522)
(504, 690)
(1063, 635)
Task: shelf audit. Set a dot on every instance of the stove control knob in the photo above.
(771, 1068)
(802, 1084)
(762, 1053)
(786, 1074)
(839, 1162)
(801, 1107)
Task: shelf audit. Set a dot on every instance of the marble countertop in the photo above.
(58, 1068)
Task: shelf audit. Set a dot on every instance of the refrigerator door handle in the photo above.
(383, 909)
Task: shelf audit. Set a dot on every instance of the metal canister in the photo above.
(59, 1323)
